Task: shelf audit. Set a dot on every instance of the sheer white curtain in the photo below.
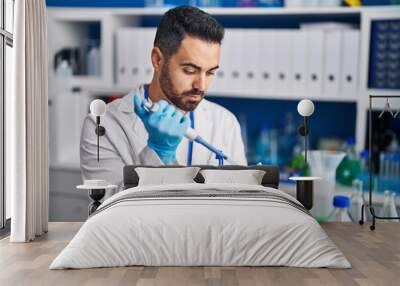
(27, 172)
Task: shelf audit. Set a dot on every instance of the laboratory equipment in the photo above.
(98, 109)
(389, 206)
(323, 164)
(340, 211)
(192, 135)
(357, 200)
(265, 146)
(349, 168)
(94, 61)
(287, 140)
(364, 169)
(389, 171)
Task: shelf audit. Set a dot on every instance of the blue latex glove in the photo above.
(166, 128)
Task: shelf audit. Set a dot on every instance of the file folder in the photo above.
(251, 65)
(220, 80)
(147, 40)
(235, 83)
(122, 68)
(133, 56)
(350, 63)
(299, 63)
(333, 58)
(315, 48)
(283, 52)
(267, 70)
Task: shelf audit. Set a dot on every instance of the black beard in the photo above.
(167, 88)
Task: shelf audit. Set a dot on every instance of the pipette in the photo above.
(191, 134)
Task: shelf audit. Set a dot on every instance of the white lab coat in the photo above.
(125, 140)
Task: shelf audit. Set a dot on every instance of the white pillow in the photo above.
(249, 177)
(165, 176)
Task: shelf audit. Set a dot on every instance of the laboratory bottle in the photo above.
(340, 211)
(93, 61)
(363, 175)
(62, 78)
(389, 206)
(356, 201)
(287, 140)
(350, 166)
(364, 161)
(263, 145)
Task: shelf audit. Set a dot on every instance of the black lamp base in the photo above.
(304, 193)
(96, 195)
(305, 190)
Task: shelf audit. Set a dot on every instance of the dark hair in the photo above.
(178, 22)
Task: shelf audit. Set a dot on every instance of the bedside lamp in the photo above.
(304, 185)
(98, 108)
(96, 188)
(305, 108)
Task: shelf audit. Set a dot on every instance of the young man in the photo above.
(185, 57)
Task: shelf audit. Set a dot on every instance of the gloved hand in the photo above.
(166, 128)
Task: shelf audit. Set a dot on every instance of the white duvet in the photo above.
(182, 231)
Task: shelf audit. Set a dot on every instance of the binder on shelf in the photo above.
(251, 66)
(267, 62)
(283, 52)
(122, 48)
(235, 83)
(133, 57)
(146, 45)
(349, 80)
(332, 62)
(219, 83)
(315, 48)
(299, 64)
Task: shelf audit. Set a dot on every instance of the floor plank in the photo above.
(374, 255)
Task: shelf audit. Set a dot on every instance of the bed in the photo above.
(201, 224)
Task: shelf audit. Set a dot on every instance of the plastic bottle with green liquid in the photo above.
(350, 166)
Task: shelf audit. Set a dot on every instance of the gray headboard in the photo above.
(270, 179)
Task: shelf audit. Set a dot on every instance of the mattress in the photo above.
(201, 225)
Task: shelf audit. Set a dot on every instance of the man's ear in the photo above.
(157, 59)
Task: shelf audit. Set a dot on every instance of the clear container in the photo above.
(340, 211)
(349, 168)
(94, 61)
(364, 161)
(357, 200)
(389, 206)
(350, 148)
(266, 146)
(324, 164)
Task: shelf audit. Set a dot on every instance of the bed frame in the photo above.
(270, 179)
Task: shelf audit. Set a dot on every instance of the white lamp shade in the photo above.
(305, 107)
(98, 107)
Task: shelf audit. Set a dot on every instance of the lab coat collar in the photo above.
(126, 104)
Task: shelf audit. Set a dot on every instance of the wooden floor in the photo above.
(374, 255)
